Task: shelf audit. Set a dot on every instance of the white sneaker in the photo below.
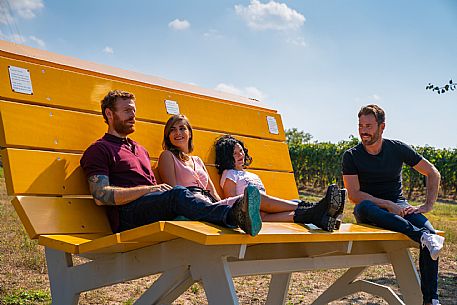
(434, 244)
(435, 302)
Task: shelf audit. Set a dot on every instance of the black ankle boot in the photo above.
(339, 212)
(334, 200)
(324, 213)
(316, 215)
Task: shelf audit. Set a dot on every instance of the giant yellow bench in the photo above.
(49, 113)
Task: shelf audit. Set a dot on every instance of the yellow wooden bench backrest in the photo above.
(44, 134)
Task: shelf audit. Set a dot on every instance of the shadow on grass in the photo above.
(447, 283)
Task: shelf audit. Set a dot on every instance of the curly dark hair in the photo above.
(109, 101)
(225, 146)
(166, 143)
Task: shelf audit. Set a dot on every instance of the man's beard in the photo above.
(123, 127)
(373, 138)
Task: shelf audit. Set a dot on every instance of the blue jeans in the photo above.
(413, 226)
(178, 201)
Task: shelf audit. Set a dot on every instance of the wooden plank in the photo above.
(68, 243)
(43, 173)
(51, 215)
(56, 87)
(272, 232)
(208, 234)
(84, 245)
(54, 129)
(278, 184)
(112, 243)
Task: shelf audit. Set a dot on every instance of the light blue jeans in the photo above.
(413, 226)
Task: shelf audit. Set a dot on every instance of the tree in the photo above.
(450, 86)
(295, 137)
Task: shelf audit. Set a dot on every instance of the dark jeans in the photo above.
(168, 205)
(412, 225)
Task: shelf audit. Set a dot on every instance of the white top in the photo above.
(242, 179)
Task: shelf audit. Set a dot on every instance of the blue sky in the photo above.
(316, 62)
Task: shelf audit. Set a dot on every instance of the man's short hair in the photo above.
(375, 110)
(109, 101)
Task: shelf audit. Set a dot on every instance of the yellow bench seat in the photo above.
(210, 235)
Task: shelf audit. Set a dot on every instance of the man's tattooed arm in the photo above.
(100, 189)
(105, 194)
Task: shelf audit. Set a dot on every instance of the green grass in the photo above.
(27, 297)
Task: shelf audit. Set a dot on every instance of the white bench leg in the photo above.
(407, 277)
(168, 287)
(62, 291)
(346, 285)
(279, 288)
(216, 279)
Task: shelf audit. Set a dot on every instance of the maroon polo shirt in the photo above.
(125, 162)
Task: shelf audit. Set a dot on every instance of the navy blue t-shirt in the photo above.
(380, 175)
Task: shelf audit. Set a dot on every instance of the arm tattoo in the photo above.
(101, 190)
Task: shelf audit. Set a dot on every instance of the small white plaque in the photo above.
(172, 107)
(20, 80)
(272, 125)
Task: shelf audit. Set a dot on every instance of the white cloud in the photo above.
(228, 89)
(26, 8)
(270, 16)
(212, 33)
(41, 44)
(251, 92)
(179, 25)
(13, 38)
(31, 40)
(17, 38)
(375, 97)
(5, 16)
(298, 41)
(108, 50)
(372, 97)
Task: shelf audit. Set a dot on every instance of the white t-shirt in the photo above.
(242, 179)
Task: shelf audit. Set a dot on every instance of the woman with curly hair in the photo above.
(232, 159)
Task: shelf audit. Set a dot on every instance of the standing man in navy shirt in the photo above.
(120, 176)
(372, 177)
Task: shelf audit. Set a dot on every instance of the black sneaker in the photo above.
(246, 211)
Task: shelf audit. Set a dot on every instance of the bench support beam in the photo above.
(59, 263)
(407, 276)
(279, 288)
(167, 288)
